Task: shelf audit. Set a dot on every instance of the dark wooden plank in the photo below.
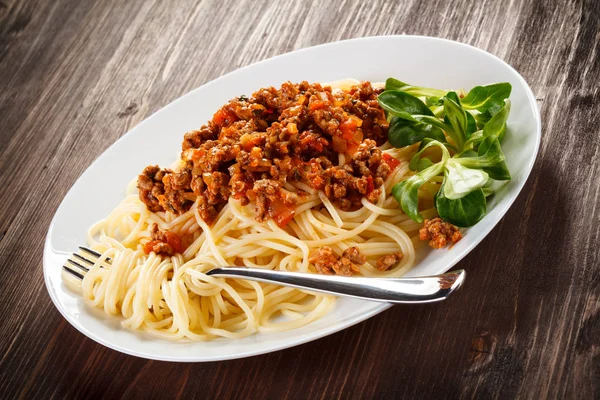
(74, 76)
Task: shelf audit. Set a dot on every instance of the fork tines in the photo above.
(78, 264)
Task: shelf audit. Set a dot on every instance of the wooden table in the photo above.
(76, 75)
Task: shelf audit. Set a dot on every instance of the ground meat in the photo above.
(208, 212)
(312, 143)
(344, 267)
(161, 248)
(327, 262)
(178, 197)
(254, 145)
(324, 260)
(388, 261)
(166, 190)
(354, 255)
(439, 233)
(213, 154)
(163, 243)
(365, 106)
(151, 187)
(346, 185)
(263, 192)
(213, 192)
(367, 161)
(193, 139)
(272, 201)
(156, 234)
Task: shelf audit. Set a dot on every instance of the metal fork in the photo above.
(425, 289)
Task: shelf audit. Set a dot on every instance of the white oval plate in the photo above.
(414, 59)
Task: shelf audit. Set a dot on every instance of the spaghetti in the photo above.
(172, 297)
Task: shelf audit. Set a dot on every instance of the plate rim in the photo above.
(378, 308)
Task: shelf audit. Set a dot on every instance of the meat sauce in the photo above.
(165, 243)
(439, 233)
(254, 145)
(327, 262)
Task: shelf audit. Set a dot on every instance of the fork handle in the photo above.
(391, 290)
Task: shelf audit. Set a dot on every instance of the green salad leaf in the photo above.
(467, 128)
(402, 104)
(497, 124)
(406, 192)
(456, 117)
(402, 132)
(482, 98)
(471, 126)
(395, 84)
(490, 159)
(463, 212)
(424, 163)
(460, 180)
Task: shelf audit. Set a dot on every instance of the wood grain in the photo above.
(76, 75)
